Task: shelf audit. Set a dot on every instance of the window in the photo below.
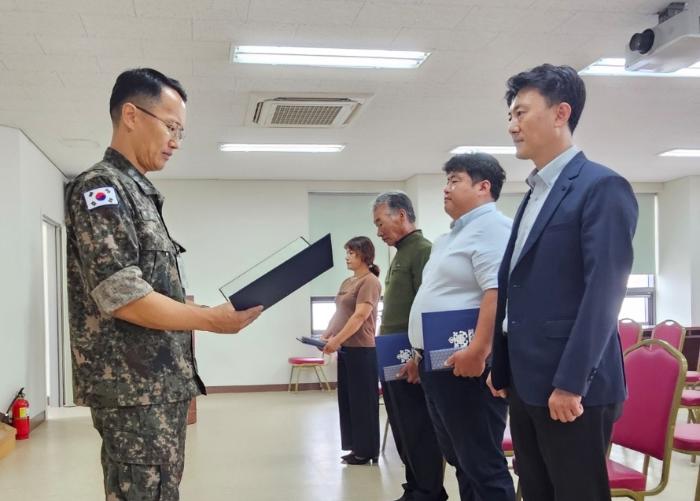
(639, 302)
(323, 309)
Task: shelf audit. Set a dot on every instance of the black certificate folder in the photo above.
(284, 278)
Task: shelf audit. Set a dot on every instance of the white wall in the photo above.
(694, 273)
(344, 215)
(678, 286)
(425, 191)
(30, 187)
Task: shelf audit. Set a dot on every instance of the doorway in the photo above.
(52, 250)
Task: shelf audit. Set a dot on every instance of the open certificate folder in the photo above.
(393, 351)
(445, 332)
(280, 274)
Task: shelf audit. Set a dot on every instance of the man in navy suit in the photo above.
(556, 353)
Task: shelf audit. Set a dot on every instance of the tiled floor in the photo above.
(250, 447)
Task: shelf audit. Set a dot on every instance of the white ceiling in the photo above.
(59, 59)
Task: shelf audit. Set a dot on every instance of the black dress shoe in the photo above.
(346, 456)
(356, 460)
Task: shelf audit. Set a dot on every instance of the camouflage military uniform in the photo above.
(138, 381)
(143, 450)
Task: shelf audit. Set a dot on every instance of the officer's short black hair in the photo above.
(479, 167)
(142, 85)
(557, 84)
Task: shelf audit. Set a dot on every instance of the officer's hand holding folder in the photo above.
(280, 274)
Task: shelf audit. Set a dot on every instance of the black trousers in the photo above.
(469, 423)
(561, 461)
(358, 401)
(415, 441)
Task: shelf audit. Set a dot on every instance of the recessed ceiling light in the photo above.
(615, 66)
(492, 150)
(283, 148)
(312, 56)
(681, 152)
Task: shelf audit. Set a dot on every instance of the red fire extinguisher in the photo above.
(20, 415)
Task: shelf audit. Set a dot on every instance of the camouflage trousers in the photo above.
(143, 450)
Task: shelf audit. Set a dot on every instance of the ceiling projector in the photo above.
(671, 45)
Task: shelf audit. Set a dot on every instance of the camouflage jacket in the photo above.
(119, 250)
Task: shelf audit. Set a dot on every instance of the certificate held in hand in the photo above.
(444, 333)
(393, 351)
(279, 275)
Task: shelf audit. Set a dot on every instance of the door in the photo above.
(53, 313)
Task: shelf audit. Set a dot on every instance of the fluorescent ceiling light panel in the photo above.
(491, 150)
(312, 56)
(615, 66)
(681, 152)
(283, 148)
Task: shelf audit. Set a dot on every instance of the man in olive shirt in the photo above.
(405, 403)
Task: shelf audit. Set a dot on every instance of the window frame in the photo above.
(317, 299)
(649, 294)
(331, 299)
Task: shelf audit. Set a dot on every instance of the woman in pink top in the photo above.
(353, 328)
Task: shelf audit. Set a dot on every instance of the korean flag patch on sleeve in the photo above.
(100, 197)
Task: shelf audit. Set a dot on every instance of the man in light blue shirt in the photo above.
(462, 273)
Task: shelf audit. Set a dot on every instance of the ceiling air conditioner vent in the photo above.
(305, 115)
(302, 112)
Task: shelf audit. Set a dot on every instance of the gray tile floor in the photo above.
(251, 447)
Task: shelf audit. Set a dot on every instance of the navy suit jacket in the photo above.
(566, 289)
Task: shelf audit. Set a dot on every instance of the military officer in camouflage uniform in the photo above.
(130, 325)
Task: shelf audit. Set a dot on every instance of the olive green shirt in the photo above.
(119, 250)
(403, 280)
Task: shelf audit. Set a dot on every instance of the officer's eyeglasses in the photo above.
(177, 133)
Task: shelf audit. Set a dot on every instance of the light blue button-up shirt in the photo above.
(463, 264)
(541, 183)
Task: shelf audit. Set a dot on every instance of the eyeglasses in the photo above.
(177, 133)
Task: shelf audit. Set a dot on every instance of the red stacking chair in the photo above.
(670, 331)
(690, 399)
(630, 333)
(507, 444)
(692, 378)
(674, 334)
(655, 379)
(686, 440)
